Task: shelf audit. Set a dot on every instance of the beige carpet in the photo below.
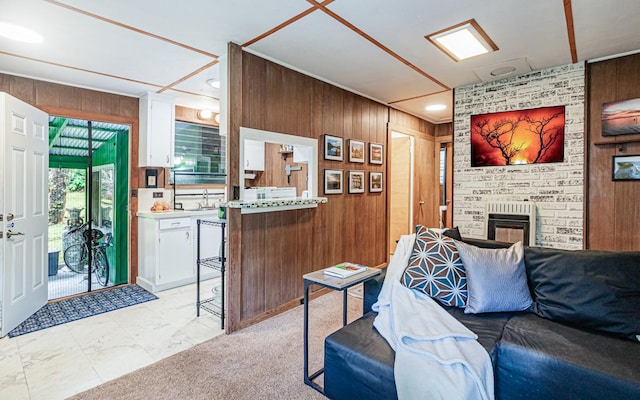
(263, 361)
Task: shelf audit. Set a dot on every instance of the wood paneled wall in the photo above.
(269, 252)
(613, 208)
(68, 101)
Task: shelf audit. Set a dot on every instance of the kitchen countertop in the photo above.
(175, 213)
(267, 205)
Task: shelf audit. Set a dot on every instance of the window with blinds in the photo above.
(199, 155)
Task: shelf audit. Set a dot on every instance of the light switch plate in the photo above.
(158, 195)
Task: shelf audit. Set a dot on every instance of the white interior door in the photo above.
(24, 164)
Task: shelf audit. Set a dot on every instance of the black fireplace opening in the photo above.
(508, 228)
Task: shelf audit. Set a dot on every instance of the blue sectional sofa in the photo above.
(576, 342)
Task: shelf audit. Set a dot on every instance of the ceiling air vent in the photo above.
(503, 70)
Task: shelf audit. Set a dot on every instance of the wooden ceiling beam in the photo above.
(568, 15)
(287, 23)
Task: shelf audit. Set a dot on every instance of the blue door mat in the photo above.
(68, 310)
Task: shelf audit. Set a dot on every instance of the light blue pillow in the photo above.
(496, 278)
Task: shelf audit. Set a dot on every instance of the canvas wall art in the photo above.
(621, 117)
(518, 137)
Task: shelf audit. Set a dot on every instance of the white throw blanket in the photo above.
(436, 356)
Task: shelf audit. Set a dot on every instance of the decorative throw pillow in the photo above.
(496, 278)
(436, 269)
(591, 289)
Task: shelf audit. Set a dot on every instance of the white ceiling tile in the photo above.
(19, 67)
(204, 24)
(416, 107)
(324, 47)
(518, 32)
(605, 28)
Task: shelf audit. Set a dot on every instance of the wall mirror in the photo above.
(270, 159)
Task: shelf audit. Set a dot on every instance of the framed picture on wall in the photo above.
(356, 151)
(333, 148)
(375, 182)
(356, 181)
(375, 153)
(626, 168)
(529, 136)
(620, 117)
(333, 181)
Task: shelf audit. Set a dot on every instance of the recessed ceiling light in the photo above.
(19, 33)
(502, 71)
(464, 40)
(214, 83)
(435, 107)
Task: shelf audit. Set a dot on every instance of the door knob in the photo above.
(421, 202)
(9, 234)
(9, 217)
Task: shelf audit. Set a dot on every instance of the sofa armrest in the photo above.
(372, 289)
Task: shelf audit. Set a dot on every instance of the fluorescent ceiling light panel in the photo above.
(463, 40)
(436, 107)
(19, 33)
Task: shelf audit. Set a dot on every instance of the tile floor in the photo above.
(58, 362)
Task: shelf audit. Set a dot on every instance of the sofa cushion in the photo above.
(591, 289)
(541, 359)
(435, 268)
(359, 362)
(496, 278)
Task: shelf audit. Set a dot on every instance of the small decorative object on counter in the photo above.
(161, 205)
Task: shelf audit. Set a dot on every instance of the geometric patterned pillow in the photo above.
(435, 268)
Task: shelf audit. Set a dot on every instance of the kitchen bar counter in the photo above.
(260, 206)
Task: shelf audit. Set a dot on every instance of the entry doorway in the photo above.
(414, 183)
(88, 205)
(401, 187)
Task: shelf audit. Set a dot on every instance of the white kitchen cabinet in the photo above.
(157, 130)
(174, 255)
(253, 155)
(167, 249)
(165, 253)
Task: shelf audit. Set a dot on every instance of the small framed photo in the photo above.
(356, 181)
(375, 182)
(626, 168)
(333, 148)
(333, 181)
(375, 153)
(356, 151)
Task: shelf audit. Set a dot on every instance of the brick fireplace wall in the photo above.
(556, 188)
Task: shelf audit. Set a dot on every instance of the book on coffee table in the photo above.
(344, 270)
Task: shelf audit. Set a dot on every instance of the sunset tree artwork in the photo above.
(518, 137)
